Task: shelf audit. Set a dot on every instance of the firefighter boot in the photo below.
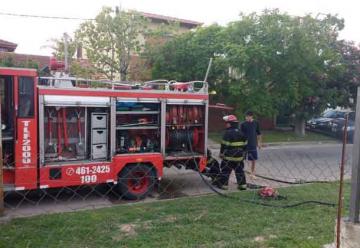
(242, 187)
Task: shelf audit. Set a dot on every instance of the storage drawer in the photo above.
(98, 136)
(99, 151)
(98, 120)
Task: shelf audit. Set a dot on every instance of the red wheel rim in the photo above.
(138, 182)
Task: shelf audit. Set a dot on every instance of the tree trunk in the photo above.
(300, 126)
(123, 76)
(124, 65)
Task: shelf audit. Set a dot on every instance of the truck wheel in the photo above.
(136, 181)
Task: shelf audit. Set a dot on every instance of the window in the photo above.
(26, 97)
(7, 105)
(330, 114)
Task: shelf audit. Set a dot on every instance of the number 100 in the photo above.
(88, 179)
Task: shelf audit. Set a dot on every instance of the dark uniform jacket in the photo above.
(251, 130)
(233, 145)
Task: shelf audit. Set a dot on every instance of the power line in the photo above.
(45, 17)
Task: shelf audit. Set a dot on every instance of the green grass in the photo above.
(282, 136)
(207, 221)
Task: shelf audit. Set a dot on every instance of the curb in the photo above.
(295, 143)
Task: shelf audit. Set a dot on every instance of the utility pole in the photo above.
(208, 69)
(66, 53)
(355, 172)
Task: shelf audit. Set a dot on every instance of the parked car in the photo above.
(338, 124)
(323, 123)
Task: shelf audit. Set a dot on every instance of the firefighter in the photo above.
(232, 153)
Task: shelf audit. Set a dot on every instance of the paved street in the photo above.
(310, 162)
(303, 162)
(295, 163)
(288, 163)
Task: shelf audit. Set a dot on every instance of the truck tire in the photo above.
(136, 181)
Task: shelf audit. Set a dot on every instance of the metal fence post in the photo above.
(355, 172)
(342, 168)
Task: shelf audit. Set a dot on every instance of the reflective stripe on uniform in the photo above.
(236, 159)
(238, 143)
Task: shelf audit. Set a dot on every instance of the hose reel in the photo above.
(181, 139)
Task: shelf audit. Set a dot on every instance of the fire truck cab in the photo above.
(62, 131)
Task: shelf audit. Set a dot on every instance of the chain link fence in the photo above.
(278, 166)
(290, 201)
(300, 176)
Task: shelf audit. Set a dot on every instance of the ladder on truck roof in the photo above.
(200, 87)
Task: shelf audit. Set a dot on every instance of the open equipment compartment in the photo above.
(185, 129)
(64, 134)
(137, 126)
(68, 130)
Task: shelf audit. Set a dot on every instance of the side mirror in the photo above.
(3, 126)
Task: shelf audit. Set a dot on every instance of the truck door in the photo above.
(26, 155)
(19, 127)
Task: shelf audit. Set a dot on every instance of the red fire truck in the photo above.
(60, 132)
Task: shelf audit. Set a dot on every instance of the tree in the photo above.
(285, 60)
(345, 83)
(58, 46)
(77, 66)
(268, 61)
(110, 40)
(185, 57)
(155, 38)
